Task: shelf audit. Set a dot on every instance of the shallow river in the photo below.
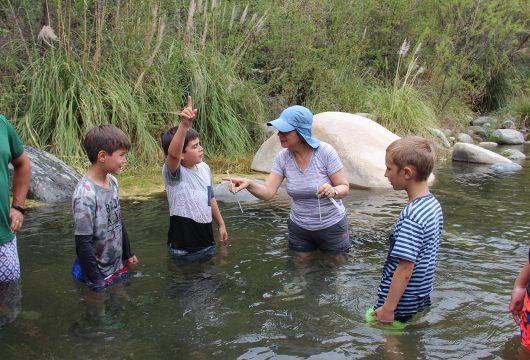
(252, 302)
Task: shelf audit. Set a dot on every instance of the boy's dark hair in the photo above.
(104, 137)
(415, 151)
(166, 138)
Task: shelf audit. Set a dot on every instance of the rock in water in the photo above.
(52, 180)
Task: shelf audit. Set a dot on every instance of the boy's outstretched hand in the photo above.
(188, 114)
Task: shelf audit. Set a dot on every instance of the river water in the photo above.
(251, 301)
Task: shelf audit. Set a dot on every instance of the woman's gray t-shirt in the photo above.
(302, 186)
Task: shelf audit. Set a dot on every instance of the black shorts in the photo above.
(189, 235)
(333, 239)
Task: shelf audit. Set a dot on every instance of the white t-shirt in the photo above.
(189, 192)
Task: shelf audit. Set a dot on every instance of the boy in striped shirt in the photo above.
(408, 273)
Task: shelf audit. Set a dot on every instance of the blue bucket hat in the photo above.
(297, 118)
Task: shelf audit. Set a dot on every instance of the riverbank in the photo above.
(147, 183)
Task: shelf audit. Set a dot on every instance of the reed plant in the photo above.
(401, 107)
(125, 63)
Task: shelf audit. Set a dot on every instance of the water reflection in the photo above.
(10, 302)
(255, 302)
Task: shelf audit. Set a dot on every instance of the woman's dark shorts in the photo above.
(333, 239)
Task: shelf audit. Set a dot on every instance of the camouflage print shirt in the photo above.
(97, 213)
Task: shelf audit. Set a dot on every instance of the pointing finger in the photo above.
(189, 102)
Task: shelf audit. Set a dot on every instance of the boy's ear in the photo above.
(102, 156)
(409, 172)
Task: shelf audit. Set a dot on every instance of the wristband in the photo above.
(19, 208)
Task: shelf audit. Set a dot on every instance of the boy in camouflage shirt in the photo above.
(102, 245)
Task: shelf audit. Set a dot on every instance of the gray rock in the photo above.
(506, 167)
(478, 130)
(448, 132)
(482, 120)
(464, 138)
(52, 181)
(513, 154)
(488, 144)
(508, 124)
(440, 135)
(508, 136)
(476, 154)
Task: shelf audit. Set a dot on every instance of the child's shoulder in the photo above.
(204, 168)
(422, 208)
(112, 180)
(84, 186)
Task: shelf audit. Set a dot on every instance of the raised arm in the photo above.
(187, 115)
(21, 179)
(265, 191)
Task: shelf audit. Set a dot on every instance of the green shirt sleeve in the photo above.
(15, 145)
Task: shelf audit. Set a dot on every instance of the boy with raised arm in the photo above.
(408, 273)
(192, 204)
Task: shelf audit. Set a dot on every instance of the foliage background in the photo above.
(412, 64)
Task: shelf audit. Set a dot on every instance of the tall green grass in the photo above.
(133, 63)
(402, 108)
(64, 104)
(122, 63)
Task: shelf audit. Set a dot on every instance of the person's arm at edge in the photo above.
(218, 218)
(399, 283)
(21, 180)
(176, 146)
(519, 291)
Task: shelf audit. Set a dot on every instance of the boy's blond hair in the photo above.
(414, 151)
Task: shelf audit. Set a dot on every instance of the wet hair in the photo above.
(104, 137)
(165, 138)
(414, 151)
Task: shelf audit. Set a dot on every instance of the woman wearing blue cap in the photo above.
(315, 181)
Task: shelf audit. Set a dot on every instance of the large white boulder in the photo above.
(476, 154)
(360, 142)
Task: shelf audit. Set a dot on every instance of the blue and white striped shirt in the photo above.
(416, 238)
